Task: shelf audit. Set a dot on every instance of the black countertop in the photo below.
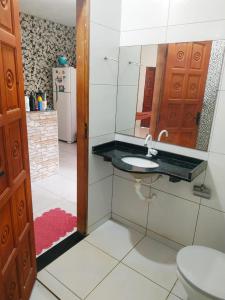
(178, 167)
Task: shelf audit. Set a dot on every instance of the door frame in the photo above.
(82, 56)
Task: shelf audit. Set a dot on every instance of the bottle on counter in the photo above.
(27, 103)
(40, 100)
(32, 102)
(44, 102)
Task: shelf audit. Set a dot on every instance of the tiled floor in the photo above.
(58, 191)
(115, 262)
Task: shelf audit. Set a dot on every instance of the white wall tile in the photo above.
(100, 199)
(196, 32)
(192, 11)
(217, 143)
(102, 109)
(126, 99)
(126, 202)
(129, 73)
(181, 189)
(107, 13)
(98, 168)
(173, 217)
(103, 42)
(149, 36)
(144, 14)
(215, 181)
(210, 229)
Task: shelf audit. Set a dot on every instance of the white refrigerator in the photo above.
(64, 98)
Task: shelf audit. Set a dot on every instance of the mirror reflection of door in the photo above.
(148, 96)
(183, 92)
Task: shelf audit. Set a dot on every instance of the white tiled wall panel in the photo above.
(144, 14)
(126, 204)
(104, 43)
(100, 197)
(210, 229)
(103, 109)
(192, 11)
(98, 168)
(173, 217)
(107, 13)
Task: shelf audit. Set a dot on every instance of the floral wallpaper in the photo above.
(42, 42)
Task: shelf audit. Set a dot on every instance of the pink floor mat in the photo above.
(52, 226)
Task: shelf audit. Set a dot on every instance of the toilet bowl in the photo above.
(201, 270)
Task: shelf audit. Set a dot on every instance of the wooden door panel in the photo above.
(6, 15)
(197, 55)
(3, 174)
(11, 282)
(15, 156)
(193, 90)
(6, 234)
(176, 85)
(17, 253)
(20, 213)
(190, 111)
(180, 59)
(10, 76)
(25, 263)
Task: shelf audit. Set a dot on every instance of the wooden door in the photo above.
(17, 253)
(148, 94)
(183, 94)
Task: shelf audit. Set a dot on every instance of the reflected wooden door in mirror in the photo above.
(183, 92)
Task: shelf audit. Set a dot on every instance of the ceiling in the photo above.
(59, 11)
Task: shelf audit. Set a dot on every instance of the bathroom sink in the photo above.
(140, 162)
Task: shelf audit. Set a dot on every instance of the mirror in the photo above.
(170, 88)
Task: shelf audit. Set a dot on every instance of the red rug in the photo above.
(51, 226)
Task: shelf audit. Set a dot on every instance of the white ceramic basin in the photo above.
(140, 162)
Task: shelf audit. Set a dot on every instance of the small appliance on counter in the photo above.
(64, 98)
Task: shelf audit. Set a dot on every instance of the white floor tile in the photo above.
(115, 239)
(41, 293)
(124, 283)
(82, 268)
(154, 260)
(172, 297)
(179, 291)
(55, 286)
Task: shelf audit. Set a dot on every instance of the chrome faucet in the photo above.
(148, 143)
(161, 134)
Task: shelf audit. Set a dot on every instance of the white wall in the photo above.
(104, 41)
(176, 214)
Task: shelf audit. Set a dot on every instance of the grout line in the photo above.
(106, 26)
(138, 225)
(196, 224)
(173, 25)
(102, 280)
(99, 180)
(65, 286)
(170, 293)
(45, 286)
(144, 276)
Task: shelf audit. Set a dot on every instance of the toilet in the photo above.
(201, 270)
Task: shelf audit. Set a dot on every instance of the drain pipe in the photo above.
(140, 194)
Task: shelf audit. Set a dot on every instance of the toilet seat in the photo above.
(204, 269)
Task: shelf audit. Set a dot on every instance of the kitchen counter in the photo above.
(177, 167)
(42, 127)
